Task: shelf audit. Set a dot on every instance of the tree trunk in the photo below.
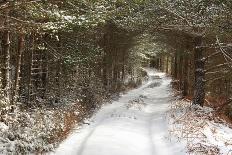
(104, 72)
(29, 84)
(160, 63)
(172, 66)
(123, 67)
(175, 65)
(18, 67)
(185, 76)
(167, 64)
(6, 64)
(199, 90)
(180, 72)
(6, 58)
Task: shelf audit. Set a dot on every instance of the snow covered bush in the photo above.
(203, 132)
(36, 130)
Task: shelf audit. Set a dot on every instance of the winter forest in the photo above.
(116, 77)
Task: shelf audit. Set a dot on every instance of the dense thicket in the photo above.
(59, 61)
(54, 51)
(198, 40)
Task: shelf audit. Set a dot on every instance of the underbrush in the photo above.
(36, 130)
(200, 127)
(39, 128)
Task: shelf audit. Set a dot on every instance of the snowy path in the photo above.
(133, 125)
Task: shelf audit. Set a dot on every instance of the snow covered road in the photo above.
(133, 125)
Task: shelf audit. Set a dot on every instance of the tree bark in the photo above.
(104, 71)
(6, 59)
(175, 65)
(199, 90)
(167, 64)
(185, 76)
(172, 66)
(123, 67)
(58, 82)
(18, 67)
(180, 71)
(29, 84)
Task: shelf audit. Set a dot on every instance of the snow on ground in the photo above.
(133, 125)
(203, 132)
(36, 130)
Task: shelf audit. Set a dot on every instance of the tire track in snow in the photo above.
(94, 127)
(92, 130)
(115, 130)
